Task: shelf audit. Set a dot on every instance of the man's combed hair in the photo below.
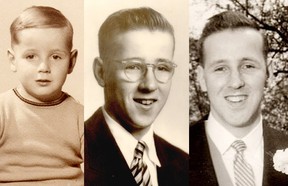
(227, 20)
(40, 17)
(130, 19)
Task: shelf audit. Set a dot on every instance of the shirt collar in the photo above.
(214, 129)
(253, 140)
(127, 143)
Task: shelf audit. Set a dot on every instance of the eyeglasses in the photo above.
(135, 69)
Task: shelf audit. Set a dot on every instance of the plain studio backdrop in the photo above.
(73, 11)
(173, 121)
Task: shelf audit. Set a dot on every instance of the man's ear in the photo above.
(11, 57)
(99, 71)
(72, 61)
(201, 78)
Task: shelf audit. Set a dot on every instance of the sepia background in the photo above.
(73, 11)
(173, 122)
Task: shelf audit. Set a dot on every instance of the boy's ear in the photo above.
(11, 57)
(201, 78)
(72, 62)
(99, 71)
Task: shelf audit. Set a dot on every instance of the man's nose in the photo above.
(149, 82)
(236, 80)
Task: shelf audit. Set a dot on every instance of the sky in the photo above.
(199, 12)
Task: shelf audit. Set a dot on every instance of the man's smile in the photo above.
(236, 98)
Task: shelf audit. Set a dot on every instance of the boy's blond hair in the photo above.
(130, 19)
(41, 17)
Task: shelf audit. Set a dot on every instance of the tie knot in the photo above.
(239, 145)
(139, 150)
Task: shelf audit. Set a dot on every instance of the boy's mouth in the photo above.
(43, 82)
(145, 101)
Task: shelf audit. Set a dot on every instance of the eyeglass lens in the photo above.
(163, 71)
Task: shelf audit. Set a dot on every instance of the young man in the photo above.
(135, 68)
(234, 146)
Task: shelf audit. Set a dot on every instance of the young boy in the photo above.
(41, 127)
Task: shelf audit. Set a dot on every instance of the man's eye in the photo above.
(248, 66)
(220, 69)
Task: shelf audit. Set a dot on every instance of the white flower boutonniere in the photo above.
(280, 160)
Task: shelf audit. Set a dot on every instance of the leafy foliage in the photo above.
(199, 103)
(275, 105)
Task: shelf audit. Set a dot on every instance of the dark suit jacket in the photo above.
(105, 165)
(202, 172)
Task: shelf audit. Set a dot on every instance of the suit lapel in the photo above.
(163, 172)
(174, 164)
(222, 174)
(104, 155)
(201, 167)
(273, 140)
(200, 157)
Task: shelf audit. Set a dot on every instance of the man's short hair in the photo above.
(126, 20)
(228, 20)
(40, 17)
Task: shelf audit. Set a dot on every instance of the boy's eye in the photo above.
(133, 66)
(30, 56)
(165, 67)
(56, 57)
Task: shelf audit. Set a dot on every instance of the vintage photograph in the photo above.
(238, 78)
(41, 99)
(136, 64)
(144, 93)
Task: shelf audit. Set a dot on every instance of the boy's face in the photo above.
(137, 103)
(42, 61)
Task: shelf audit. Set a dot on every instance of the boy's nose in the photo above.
(148, 82)
(44, 67)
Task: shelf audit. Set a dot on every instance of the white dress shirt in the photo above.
(127, 144)
(254, 154)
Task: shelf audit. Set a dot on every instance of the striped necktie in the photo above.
(243, 172)
(138, 168)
